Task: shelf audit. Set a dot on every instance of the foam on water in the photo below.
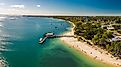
(4, 36)
(3, 62)
(6, 43)
(0, 25)
(3, 48)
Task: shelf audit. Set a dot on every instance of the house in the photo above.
(116, 34)
(108, 27)
(116, 38)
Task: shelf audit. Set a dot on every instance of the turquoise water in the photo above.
(20, 40)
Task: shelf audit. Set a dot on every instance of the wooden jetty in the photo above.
(52, 35)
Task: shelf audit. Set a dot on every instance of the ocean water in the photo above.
(19, 45)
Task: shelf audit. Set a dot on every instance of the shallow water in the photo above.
(19, 39)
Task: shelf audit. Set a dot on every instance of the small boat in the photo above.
(40, 39)
(13, 18)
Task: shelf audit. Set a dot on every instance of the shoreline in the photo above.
(95, 52)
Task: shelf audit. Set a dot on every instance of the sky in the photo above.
(61, 7)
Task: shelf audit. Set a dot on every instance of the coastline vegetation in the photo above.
(102, 31)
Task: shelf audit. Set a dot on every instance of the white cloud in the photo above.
(2, 4)
(13, 11)
(38, 6)
(17, 6)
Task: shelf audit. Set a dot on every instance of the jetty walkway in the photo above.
(52, 35)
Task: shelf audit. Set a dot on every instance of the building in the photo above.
(108, 27)
(116, 38)
(49, 34)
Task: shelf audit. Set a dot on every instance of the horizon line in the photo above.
(58, 15)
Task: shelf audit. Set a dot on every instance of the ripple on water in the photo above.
(3, 46)
(4, 35)
(4, 42)
(3, 49)
(1, 25)
(2, 18)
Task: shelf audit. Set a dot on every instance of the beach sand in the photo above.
(93, 51)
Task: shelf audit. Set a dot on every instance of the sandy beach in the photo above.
(94, 52)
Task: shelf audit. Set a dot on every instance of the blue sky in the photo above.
(61, 7)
